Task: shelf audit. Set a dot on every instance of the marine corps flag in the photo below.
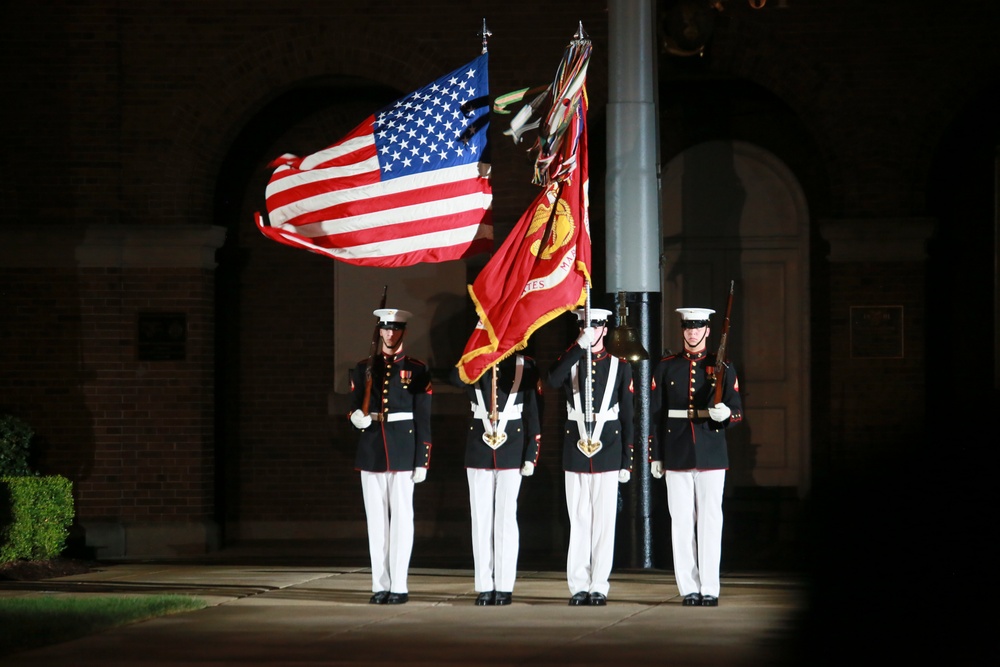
(543, 267)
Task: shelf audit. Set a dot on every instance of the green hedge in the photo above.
(35, 515)
(15, 446)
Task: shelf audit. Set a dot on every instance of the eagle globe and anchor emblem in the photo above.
(589, 447)
(563, 227)
(495, 439)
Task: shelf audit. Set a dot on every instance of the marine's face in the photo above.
(694, 339)
(391, 339)
(599, 334)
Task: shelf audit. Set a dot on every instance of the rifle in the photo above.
(720, 355)
(366, 402)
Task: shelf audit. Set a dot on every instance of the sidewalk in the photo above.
(304, 615)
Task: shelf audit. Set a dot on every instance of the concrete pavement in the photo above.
(308, 614)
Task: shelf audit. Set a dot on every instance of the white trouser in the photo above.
(389, 508)
(592, 502)
(495, 538)
(695, 501)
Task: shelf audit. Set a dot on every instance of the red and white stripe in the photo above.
(336, 203)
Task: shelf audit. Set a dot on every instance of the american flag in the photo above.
(409, 184)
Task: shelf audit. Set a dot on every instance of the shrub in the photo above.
(15, 446)
(35, 515)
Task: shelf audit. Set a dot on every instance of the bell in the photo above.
(625, 343)
(624, 340)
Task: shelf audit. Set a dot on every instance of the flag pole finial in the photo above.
(485, 35)
(580, 34)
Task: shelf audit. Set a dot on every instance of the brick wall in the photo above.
(135, 114)
(876, 404)
(132, 430)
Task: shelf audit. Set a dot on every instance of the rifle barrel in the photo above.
(720, 355)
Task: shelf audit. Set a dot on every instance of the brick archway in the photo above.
(236, 89)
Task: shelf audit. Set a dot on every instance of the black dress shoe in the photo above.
(579, 599)
(502, 599)
(709, 601)
(379, 598)
(485, 598)
(597, 600)
(398, 598)
(692, 600)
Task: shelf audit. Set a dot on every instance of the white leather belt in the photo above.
(590, 445)
(391, 417)
(687, 414)
(511, 412)
(495, 435)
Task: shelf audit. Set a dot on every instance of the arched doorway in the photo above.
(284, 465)
(733, 211)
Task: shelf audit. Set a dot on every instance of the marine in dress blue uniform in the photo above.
(394, 452)
(596, 456)
(502, 447)
(687, 447)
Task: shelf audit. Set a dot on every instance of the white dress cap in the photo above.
(392, 316)
(598, 316)
(695, 315)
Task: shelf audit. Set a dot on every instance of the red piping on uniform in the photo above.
(385, 446)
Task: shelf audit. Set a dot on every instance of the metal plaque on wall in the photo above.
(162, 336)
(876, 332)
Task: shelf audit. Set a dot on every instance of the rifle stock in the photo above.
(372, 350)
(720, 355)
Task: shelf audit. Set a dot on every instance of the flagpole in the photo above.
(485, 34)
(494, 415)
(588, 411)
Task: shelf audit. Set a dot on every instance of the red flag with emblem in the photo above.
(543, 267)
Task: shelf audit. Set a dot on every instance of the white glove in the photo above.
(528, 469)
(720, 412)
(419, 475)
(586, 338)
(360, 419)
(656, 469)
(624, 476)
